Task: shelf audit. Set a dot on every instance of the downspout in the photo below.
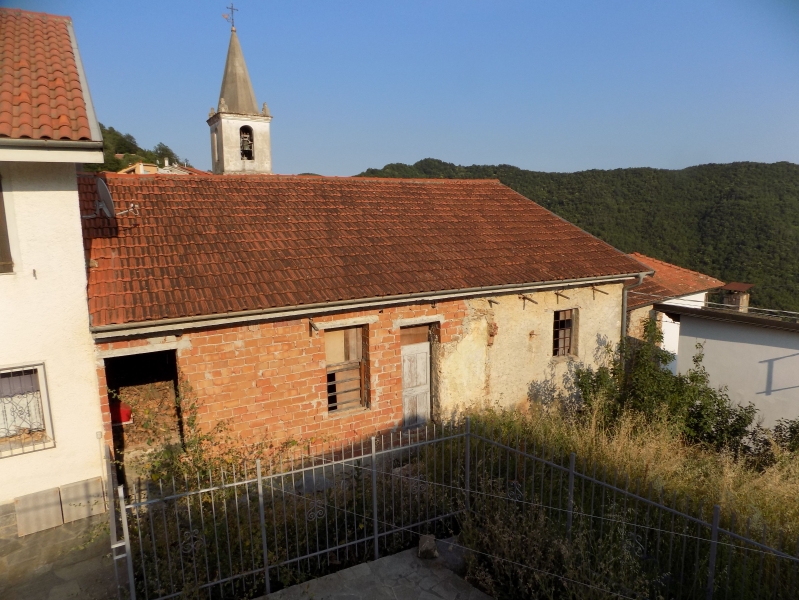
(624, 304)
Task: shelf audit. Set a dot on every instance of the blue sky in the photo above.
(555, 85)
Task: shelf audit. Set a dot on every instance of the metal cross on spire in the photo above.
(230, 17)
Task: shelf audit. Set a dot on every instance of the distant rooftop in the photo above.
(669, 281)
(736, 286)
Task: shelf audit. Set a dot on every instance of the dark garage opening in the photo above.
(142, 393)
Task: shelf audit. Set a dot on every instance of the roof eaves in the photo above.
(129, 328)
(94, 125)
(8, 142)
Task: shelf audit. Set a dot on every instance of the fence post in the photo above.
(109, 486)
(572, 460)
(468, 460)
(714, 542)
(374, 497)
(263, 523)
(112, 513)
(128, 551)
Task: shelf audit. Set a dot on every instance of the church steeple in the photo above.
(237, 92)
(240, 134)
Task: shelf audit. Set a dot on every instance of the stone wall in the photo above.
(269, 381)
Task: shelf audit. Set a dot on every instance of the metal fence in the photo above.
(248, 532)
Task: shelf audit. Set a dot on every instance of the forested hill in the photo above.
(736, 222)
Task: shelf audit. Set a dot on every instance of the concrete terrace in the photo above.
(401, 576)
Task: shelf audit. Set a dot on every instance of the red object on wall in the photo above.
(121, 413)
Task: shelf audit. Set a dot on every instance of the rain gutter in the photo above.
(181, 324)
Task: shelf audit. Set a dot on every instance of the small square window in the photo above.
(562, 334)
(24, 412)
(346, 369)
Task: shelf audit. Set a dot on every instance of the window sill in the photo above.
(564, 358)
(25, 448)
(346, 412)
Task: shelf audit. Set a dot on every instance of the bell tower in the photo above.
(240, 138)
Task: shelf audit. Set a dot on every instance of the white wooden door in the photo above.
(416, 383)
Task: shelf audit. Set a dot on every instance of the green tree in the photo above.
(115, 143)
(736, 222)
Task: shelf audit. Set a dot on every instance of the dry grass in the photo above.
(652, 451)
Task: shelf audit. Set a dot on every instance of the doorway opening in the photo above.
(142, 398)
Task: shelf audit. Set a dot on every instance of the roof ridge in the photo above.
(276, 176)
(17, 11)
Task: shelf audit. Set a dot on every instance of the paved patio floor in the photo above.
(67, 562)
(400, 576)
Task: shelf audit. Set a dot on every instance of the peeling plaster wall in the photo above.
(519, 365)
(44, 320)
(269, 378)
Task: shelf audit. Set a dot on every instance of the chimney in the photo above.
(166, 161)
(736, 296)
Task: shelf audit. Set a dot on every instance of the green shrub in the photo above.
(636, 379)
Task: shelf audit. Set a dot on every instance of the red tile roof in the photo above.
(205, 245)
(669, 281)
(40, 89)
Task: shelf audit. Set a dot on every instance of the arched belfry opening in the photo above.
(247, 143)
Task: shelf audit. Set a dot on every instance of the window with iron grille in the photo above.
(562, 333)
(346, 369)
(24, 412)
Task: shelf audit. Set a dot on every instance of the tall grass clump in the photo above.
(674, 432)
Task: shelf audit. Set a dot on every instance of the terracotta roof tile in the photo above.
(669, 281)
(40, 89)
(217, 244)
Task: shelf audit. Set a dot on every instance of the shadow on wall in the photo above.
(560, 389)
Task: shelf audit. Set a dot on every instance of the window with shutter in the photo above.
(6, 264)
(346, 369)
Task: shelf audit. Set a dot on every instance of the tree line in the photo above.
(735, 222)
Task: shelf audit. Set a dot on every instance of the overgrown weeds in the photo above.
(518, 553)
(674, 432)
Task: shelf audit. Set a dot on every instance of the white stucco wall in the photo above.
(225, 129)
(44, 320)
(519, 364)
(757, 364)
(671, 329)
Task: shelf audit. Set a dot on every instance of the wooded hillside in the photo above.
(736, 222)
(121, 150)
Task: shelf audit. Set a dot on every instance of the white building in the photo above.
(754, 354)
(670, 285)
(50, 420)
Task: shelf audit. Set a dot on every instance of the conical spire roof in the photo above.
(237, 91)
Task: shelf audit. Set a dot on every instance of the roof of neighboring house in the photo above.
(139, 167)
(43, 94)
(207, 245)
(669, 281)
(735, 286)
(178, 169)
(731, 316)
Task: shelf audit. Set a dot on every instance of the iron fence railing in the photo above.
(248, 532)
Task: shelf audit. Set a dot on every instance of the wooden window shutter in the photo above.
(6, 264)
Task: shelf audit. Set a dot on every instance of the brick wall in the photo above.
(269, 381)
